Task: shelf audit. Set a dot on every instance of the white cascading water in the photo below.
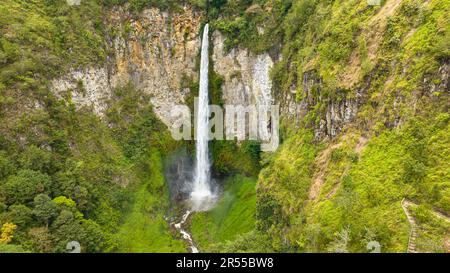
(184, 233)
(202, 195)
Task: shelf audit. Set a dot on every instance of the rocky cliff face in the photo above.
(158, 50)
(246, 75)
(153, 52)
(156, 53)
(337, 113)
(342, 111)
(247, 82)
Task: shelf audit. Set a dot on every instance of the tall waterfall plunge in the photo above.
(202, 196)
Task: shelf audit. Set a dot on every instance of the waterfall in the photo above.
(202, 195)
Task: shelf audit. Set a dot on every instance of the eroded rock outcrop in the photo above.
(333, 118)
(247, 82)
(153, 52)
(246, 75)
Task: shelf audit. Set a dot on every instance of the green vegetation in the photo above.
(232, 216)
(336, 196)
(93, 189)
(360, 195)
(240, 20)
(433, 230)
(72, 177)
(69, 175)
(144, 228)
(66, 179)
(229, 157)
(38, 37)
(137, 6)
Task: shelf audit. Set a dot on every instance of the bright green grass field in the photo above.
(144, 229)
(233, 215)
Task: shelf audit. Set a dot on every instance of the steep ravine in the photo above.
(353, 140)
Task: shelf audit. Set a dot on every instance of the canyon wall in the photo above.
(246, 75)
(154, 52)
(158, 52)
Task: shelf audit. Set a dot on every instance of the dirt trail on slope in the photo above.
(322, 162)
(406, 204)
(438, 214)
(372, 33)
(358, 149)
(377, 26)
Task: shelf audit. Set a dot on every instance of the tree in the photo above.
(65, 228)
(7, 232)
(3, 207)
(92, 237)
(24, 186)
(34, 158)
(71, 183)
(19, 214)
(6, 167)
(64, 203)
(41, 239)
(44, 208)
(340, 244)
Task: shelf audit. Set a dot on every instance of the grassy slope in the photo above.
(144, 228)
(433, 232)
(361, 192)
(233, 215)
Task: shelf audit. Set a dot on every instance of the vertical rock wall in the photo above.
(153, 52)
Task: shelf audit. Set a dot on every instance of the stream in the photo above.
(186, 236)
